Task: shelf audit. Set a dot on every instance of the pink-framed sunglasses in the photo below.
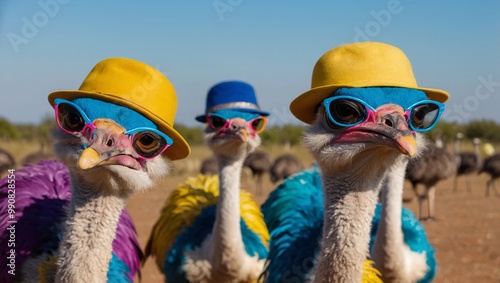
(147, 142)
(219, 123)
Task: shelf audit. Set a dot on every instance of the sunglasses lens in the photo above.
(216, 122)
(70, 118)
(347, 112)
(148, 144)
(258, 124)
(423, 116)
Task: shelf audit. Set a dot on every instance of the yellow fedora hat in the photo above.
(364, 64)
(138, 86)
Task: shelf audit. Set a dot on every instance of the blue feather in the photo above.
(232, 113)
(294, 214)
(126, 117)
(377, 96)
(193, 236)
(118, 271)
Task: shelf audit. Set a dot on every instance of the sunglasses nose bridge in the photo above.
(237, 123)
(392, 118)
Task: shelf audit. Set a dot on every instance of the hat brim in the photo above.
(203, 118)
(178, 150)
(304, 107)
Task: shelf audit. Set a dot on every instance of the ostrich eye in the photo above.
(148, 144)
(346, 112)
(216, 122)
(424, 115)
(258, 124)
(70, 118)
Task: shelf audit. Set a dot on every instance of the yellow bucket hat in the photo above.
(138, 86)
(365, 64)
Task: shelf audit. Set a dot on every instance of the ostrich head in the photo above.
(233, 120)
(110, 136)
(355, 133)
(365, 104)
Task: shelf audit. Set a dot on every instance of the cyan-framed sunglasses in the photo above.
(219, 123)
(147, 142)
(347, 111)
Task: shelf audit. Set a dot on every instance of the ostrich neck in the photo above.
(227, 243)
(86, 247)
(388, 252)
(349, 208)
(456, 146)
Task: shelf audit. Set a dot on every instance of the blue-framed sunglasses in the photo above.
(347, 111)
(147, 142)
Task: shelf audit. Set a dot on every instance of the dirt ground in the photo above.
(465, 234)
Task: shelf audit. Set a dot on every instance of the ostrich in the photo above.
(209, 230)
(6, 161)
(320, 223)
(71, 226)
(399, 245)
(259, 163)
(38, 156)
(491, 166)
(432, 166)
(209, 166)
(284, 166)
(467, 162)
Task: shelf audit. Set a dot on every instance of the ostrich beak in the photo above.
(387, 126)
(237, 129)
(108, 147)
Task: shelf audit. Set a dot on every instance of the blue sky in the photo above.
(273, 45)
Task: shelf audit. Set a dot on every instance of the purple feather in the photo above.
(41, 193)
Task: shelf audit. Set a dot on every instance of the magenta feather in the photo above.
(41, 192)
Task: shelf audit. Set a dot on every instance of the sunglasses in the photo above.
(147, 142)
(347, 111)
(219, 123)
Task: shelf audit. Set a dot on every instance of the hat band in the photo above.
(239, 104)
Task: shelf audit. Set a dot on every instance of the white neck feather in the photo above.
(86, 247)
(227, 246)
(349, 208)
(388, 250)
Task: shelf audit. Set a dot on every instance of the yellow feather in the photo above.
(370, 273)
(186, 203)
(47, 269)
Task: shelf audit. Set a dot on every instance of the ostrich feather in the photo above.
(294, 215)
(414, 236)
(42, 193)
(187, 219)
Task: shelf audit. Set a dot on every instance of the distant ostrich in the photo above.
(259, 163)
(38, 156)
(6, 161)
(209, 166)
(467, 162)
(285, 166)
(209, 229)
(434, 165)
(491, 166)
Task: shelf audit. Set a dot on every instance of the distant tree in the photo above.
(45, 127)
(487, 130)
(7, 130)
(193, 135)
(291, 134)
(448, 130)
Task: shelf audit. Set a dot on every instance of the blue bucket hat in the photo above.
(235, 95)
